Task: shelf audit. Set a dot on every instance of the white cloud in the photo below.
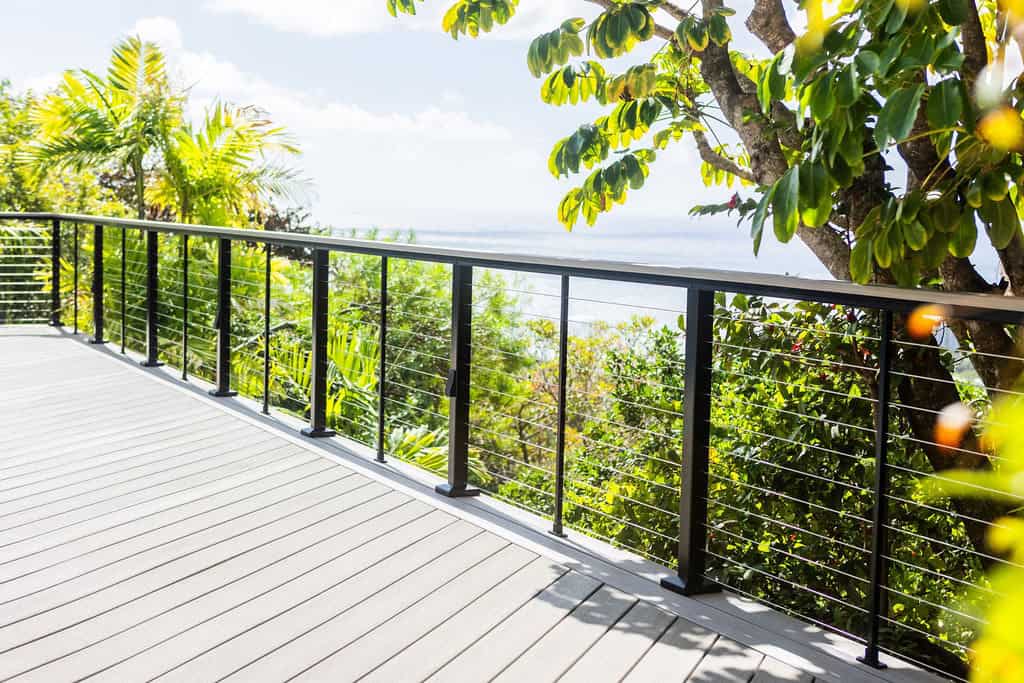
(332, 18)
(160, 30)
(39, 84)
(211, 78)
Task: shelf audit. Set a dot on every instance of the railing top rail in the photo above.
(978, 306)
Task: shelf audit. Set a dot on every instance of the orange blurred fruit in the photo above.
(924, 320)
(1003, 129)
(952, 424)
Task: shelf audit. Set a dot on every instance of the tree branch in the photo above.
(713, 158)
(673, 10)
(974, 48)
(767, 21)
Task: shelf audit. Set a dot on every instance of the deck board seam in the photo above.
(607, 630)
(67, 456)
(385, 532)
(246, 483)
(190, 553)
(228, 463)
(190, 575)
(359, 572)
(201, 512)
(376, 592)
(654, 641)
(157, 498)
(426, 596)
(130, 435)
(523, 603)
(539, 638)
(65, 433)
(69, 484)
(703, 656)
(196, 572)
(55, 411)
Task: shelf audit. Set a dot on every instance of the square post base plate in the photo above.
(217, 393)
(676, 584)
(450, 491)
(318, 433)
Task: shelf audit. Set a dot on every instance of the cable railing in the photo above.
(761, 434)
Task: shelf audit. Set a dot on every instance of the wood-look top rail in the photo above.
(1006, 309)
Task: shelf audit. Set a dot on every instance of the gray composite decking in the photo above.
(148, 533)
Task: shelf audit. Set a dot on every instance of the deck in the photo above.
(149, 532)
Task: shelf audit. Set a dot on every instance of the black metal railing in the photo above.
(759, 433)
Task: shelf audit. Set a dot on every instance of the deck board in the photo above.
(727, 661)
(148, 533)
(674, 655)
(419, 659)
(622, 646)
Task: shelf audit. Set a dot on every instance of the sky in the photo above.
(400, 126)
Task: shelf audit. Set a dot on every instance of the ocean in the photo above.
(714, 242)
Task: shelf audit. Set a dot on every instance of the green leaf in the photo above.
(915, 235)
(897, 116)
(772, 85)
(860, 260)
(867, 61)
(953, 12)
(883, 249)
(815, 194)
(963, 240)
(823, 99)
(785, 215)
(936, 250)
(718, 30)
(760, 213)
(848, 87)
(697, 35)
(945, 103)
(1003, 223)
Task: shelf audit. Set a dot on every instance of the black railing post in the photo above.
(223, 322)
(55, 274)
(184, 307)
(97, 286)
(383, 368)
(266, 333)
(457, 387)
(879, 537)
(563, 375)
(74, 303)
(693, 500)
(124, 289)
(318, 383)
(152, 286)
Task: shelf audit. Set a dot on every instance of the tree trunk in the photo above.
(140, 188)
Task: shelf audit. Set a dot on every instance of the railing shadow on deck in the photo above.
(771, 449)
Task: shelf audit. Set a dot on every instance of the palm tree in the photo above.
(225, 169)
(92, 121)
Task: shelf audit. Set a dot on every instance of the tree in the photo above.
(221, 172)
(817, 128)
(93, 122)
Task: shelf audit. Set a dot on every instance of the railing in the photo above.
(794, 481)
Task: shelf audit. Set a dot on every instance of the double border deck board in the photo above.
(150, 534)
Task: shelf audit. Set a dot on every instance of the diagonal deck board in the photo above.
(147, 533)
